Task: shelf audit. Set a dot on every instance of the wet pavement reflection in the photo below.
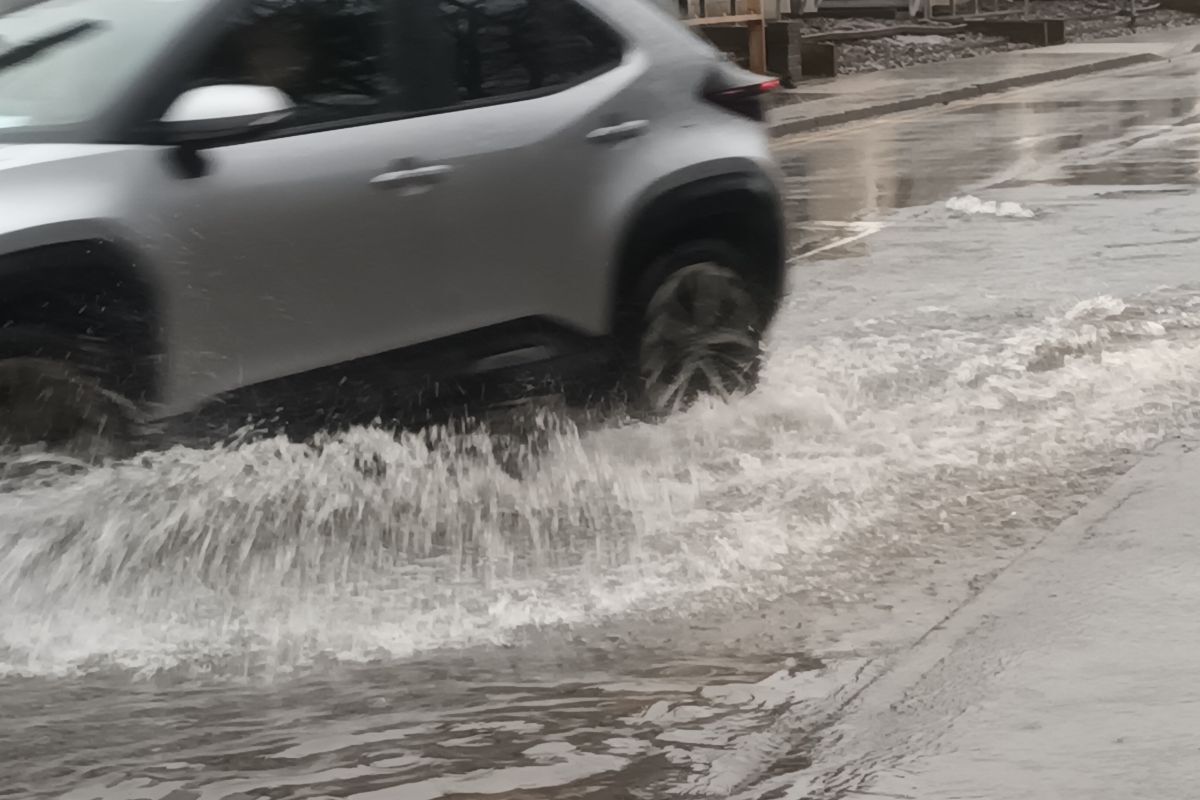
(646, 611)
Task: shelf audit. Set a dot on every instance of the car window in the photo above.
(63, 61)
(328, 56)
(511, 47)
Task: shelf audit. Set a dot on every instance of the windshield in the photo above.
(61, 61)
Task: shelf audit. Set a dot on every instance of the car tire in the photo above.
(59, 395)
(698, 329)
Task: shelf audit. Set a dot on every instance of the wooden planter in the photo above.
(749, 13)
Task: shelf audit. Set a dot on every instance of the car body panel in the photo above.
(63, 192)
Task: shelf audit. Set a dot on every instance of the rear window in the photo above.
(511, 47)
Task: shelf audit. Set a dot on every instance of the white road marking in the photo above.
(861, 231)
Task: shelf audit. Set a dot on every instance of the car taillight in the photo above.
(740, 91)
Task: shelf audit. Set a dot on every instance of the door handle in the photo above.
(415, 177)
(619, 132)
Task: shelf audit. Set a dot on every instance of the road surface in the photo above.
(1071, 675)
(993, 313)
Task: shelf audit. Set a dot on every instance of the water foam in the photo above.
(270, 554)
(970, 205)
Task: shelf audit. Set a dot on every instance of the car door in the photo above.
(546, 100)
(298, 250)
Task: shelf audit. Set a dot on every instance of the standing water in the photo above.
(370, 610)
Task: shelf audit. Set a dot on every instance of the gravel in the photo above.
(869, 55)
(1086, 20)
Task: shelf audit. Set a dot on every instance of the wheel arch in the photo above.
(742, 208)
(91, 290)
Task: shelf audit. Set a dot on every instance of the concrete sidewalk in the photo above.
(820, 104)
(1076, 674)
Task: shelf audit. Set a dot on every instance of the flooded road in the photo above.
(995, 307)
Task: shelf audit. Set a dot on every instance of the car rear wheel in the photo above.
(700, 330)
(58, 405)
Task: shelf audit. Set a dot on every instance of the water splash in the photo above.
(269, 555)
(277, 541)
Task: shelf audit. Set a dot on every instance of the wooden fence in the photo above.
(749, 13)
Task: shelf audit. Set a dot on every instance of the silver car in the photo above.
(201, 198)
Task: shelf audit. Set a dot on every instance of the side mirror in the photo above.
(224, 111)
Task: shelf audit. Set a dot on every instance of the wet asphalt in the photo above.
(651, 611)
(1070, 675)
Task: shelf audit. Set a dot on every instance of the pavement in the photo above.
(823, 103)
(1072, 675)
